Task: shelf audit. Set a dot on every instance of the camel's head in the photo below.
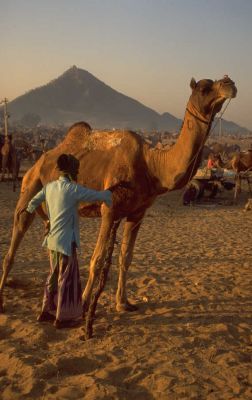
(208, 96)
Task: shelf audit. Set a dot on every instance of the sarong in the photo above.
(62, 294)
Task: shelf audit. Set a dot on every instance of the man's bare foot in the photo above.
(65, 324)
(45, 316)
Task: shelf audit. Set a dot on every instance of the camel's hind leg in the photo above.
(237, 187)
(4, 167)
(130, 232)
(22, 221)
(249, 185)
(102, 281)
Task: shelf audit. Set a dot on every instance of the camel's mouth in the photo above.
(229, 93)
(227, 90)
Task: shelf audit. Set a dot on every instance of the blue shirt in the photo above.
(62, 197)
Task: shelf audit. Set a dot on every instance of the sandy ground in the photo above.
(190, 338)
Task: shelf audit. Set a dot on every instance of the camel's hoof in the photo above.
(126, 307)
(88, 335)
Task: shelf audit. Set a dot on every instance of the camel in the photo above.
(232, 158)
(10, 161)
(136, 174)
(241, 164)
(248, 205)
(225, 149)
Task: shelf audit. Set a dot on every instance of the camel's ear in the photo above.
(193, 83)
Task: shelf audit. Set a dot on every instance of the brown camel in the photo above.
(137, 175)
(241, 163)
(10, 161)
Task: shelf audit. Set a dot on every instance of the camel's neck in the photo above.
(173, 168)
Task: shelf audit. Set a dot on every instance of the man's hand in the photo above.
(47, 227)
(120, 185)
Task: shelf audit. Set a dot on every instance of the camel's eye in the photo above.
(205, 90)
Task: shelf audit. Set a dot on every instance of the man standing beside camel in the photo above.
(62, 294)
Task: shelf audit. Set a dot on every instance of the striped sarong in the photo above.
(62, 294)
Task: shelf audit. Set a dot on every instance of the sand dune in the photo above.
(190, 339)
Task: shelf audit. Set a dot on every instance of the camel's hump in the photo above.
(82, 136)
(77, 133)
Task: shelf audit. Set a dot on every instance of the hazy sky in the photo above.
(146, 49)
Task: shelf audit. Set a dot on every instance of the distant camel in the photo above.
(241, 163)
(137, 172)
(2, 139)
(10, 161)
(248, 205)
(225, 149)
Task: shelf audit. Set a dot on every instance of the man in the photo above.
(62, 295)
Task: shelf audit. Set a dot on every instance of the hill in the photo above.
(78, 95)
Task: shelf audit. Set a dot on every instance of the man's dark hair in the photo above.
(67, 163)
(62, 162)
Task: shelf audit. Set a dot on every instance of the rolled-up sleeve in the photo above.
(36, 201)
(89, 195)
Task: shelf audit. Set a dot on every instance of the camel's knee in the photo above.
(95, 268)
(125, 261)
(22, 220)
(7, 264)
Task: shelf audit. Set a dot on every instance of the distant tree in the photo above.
(30, 120)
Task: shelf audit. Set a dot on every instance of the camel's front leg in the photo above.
(102, 280)
(130, 232)
(237, 187)
(98, 258)
(249, 186)
(22, 220)
(4, 166)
